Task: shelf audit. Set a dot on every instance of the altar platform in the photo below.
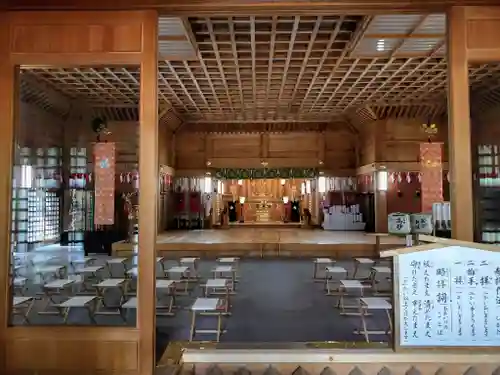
(268, 242)
(266, 225)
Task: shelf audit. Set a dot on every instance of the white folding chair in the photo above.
(117, 263)
(22, 306)
(346, 289)
(379, 275)
(206, 306)
(362, 265)
(109, 284)
(165, 288)
(373, 303)
(88, 303)
(333, 275)
(319, 265)
(60, 287)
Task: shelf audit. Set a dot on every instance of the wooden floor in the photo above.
(266, 242)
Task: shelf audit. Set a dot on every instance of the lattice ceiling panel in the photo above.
(277, 69)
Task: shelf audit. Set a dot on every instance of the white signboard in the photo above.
(449, 297)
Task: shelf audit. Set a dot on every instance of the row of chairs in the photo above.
(363, 283)
(89, 288)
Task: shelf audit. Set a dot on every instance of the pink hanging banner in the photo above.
(431, 170)
(104, 183)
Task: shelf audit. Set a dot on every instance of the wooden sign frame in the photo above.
(78, 39)
(435, 243)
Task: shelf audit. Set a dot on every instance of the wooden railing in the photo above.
(335, 362)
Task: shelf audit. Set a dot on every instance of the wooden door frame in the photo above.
(72, 39)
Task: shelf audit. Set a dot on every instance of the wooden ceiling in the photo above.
(220, 72)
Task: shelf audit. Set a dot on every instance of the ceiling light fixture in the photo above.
(380, 45)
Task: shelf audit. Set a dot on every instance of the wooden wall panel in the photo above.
(235, 146)
(403, 137)
(296, 145)
(340, 150)
(55, 36)
(335, 149)
(189, 151)
(367, 144)
(72, 350)
(486, 127)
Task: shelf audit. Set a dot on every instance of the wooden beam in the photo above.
(148, 197)
(230, 7)
(7, 119)
(459, 131)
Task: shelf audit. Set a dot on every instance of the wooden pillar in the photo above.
(7, 109)
(459, 132)
(148, 195)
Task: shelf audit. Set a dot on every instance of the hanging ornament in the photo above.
(418, 193)
(128, 178)
(419, 177)
(90, 177)
(408, 177)
(400, 178)
(392, 177)
(400, 194)
(122, 180)
(448, 176)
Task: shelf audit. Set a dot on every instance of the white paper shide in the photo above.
(449, 297)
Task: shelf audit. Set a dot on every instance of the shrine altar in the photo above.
(263, 211)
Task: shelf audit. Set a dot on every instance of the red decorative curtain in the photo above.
(195, 202)
(432, 174)
(180, 203)
(104, 182)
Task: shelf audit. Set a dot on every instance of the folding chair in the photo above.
(85, 262)
(226, 272)
(230, 261)
(345, 287)
(131, 304)
(61, 287)
(22, 306)
(19, 285)
(377, 275)
(332, 275)
(101, 289)
(117, 262)
(320, 264)
(88, 303)
(180, 274)
(192, 264)
(219, 287)
(47, 273)
(91, 275)
(210, 307)
(165, 288)
(373, 303)
(362, 264)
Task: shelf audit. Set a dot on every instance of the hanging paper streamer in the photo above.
(400, 178)
(104, 202)
(408, 177)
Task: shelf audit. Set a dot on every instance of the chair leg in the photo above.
(219, 326)
(193, 322)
